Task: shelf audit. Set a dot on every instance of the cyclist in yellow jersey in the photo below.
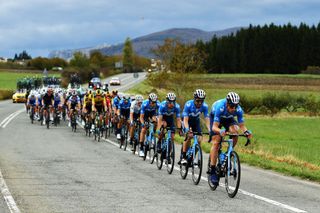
(87, 106)
(98, 104)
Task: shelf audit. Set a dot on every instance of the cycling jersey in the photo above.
(149, 111)
(47, 100)
(135, 108)
(57, 101)
(98, 101)
(146, 107)
(74, 100)
(124, 108)
(116, 101)
(39, 98)
(168, 114)
(32, 100)
(165, 111)
(193, 113)
(190, 110)
(219, 112)
(87, 101)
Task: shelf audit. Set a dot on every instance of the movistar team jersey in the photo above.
(146, 107)
(219, 110)
(135, 108)
(190, 110)
(123, 105)
(165, 110)
(116, 101)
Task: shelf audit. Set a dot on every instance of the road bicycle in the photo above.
(124, 133)
(194, 159)
(228, 166)
(149, 147)
(136, 135)
(167, 153)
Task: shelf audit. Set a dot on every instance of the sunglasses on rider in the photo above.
(199, 101)
(233, 106)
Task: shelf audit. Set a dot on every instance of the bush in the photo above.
(274, 103)
(312, 106)
(312, 70)
(6, 94)
(249, 103)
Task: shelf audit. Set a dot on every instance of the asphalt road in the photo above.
(56, 170)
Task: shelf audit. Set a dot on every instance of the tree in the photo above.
(127, 56)
(79, 60)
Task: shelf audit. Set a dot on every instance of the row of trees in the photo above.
(267, 49)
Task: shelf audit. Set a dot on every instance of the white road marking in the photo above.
(7, 120)
(267, 200)
(7, 196)
(3, 186)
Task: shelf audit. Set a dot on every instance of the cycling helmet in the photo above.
(125, 97)
(153, 97)
(114, 92)
(171, 96)
(199, 94)
(98, 92)
(139, 98)
(74, 93)
(233, 98)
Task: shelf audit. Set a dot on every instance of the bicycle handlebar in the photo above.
(241, 135)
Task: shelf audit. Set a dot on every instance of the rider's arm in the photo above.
(186, 122)
(142, 118)
(216, 129)
(159, 122)
(207, 119)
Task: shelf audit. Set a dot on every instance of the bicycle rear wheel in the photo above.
(170, 157)
(233, 174)
(197, 165)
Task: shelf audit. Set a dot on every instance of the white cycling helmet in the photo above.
(139, 98)
(171, 96)
(233, 98)
(153, 97)
(199, 94)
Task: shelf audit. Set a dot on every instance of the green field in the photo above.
(286, 143)
(8, 80)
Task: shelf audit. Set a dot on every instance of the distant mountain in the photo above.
(142, 45)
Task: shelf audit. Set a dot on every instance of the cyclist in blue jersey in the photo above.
(32, 99)
(124, 113)
(222, 115)
(149, 110)
(116, 99)
(191, 119)
(167, 110)
(73, 104)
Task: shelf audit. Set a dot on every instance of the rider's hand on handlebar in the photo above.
(223, 132)
(248, 134)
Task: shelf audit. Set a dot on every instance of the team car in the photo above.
(115, 81)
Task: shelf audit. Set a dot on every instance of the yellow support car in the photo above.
(19, 97)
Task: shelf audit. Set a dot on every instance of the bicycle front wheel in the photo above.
(170, 156)
(233, 174)
(197, 165)
(212, 186)
(152, 149)
(183, 167)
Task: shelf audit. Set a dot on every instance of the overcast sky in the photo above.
(39, 26)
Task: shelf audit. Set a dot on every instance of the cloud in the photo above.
(40, 26)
